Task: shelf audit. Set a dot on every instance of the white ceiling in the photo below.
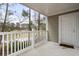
(53, 8)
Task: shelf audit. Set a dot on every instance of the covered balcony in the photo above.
(30, 29)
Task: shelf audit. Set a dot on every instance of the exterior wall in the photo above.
(53, 28)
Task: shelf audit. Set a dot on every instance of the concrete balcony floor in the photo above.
(51, 49)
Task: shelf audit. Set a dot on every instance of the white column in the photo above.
(47, 29)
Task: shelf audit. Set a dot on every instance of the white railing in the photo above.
(14, 42)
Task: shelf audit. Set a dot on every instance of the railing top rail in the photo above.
(17, 32)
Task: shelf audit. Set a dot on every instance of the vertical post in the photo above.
(33, 37)
(7, 44)
(18, 42)
(11, 44)
(23, 40)
(30, 23)
(28, 39)
(46, 29)
(46, 36)
(15, 42)
(3, 44)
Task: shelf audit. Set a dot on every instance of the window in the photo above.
(34, 19)
(42, 22)
(17, 17)
(20, 17)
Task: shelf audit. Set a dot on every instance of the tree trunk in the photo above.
(4, 24)
(39, 21)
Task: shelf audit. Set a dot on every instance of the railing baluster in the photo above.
(46, 35)
(15, 42)
(28, 39)
(11, 43)
(39, 35)
(18, 41)
(7, 44)
(3, 44)
(23, 40)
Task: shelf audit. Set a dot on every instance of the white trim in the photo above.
(47, 29)
(47, 24)
(60, 29)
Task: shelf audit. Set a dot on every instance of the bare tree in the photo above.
(26, 14)
(4, 23)
(6, 13)
(39, 21)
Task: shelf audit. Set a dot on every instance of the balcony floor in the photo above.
(51, 49)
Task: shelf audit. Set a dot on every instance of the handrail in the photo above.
(18, 40)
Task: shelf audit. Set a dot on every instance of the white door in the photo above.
(68, 29)
(77, 30)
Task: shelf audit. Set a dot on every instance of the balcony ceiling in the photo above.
(50, 9)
